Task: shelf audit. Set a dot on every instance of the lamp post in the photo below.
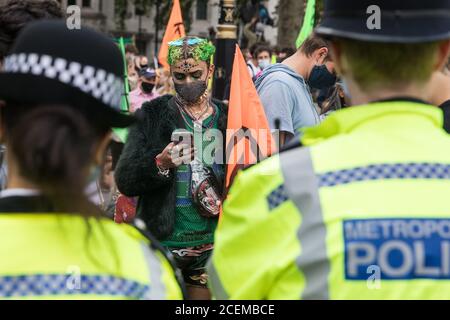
(225, 43)
(140, 11)
(157, 3)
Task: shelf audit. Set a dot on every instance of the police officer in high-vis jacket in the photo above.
(61, 90)
(361, 209)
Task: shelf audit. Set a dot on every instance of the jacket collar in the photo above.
(25, 204)
(178, 120)
(347, 120)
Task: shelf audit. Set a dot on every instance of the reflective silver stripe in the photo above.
(214, 282)
(301, 184)
(157, 287)
(386, 171)
(70, 284)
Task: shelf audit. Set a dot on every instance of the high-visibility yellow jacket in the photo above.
(51, 256)
(360, 212)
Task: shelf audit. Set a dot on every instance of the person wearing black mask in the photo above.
(323, 79)
(284, 88)
(179, 190)
(322, 76)
(144, 91)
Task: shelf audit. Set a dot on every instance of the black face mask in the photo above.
(192, 92)
(147, 87)
(321, 78)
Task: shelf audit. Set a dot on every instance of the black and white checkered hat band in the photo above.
(98, 83)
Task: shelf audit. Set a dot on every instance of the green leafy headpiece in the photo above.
(190, 47)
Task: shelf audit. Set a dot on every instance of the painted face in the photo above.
(189, 70)
(191, 79)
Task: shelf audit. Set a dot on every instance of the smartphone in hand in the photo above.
(182, 136)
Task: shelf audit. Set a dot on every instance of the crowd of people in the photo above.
(140, 218)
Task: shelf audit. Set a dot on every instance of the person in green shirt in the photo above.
(179, 180)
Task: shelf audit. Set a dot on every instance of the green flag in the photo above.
(211, 81)
(308, 23)
(122, 133)
(274, 59)
(125, 40)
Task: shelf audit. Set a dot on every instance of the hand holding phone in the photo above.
(182, 136)
(180, 151)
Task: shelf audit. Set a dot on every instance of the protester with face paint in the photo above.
(178, 188)
(144, 91)
(284, 88)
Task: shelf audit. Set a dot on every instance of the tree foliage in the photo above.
(145, 7)
(290, 19)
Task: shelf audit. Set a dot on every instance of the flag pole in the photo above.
(125, 105)
(157, 3)
(122, 133)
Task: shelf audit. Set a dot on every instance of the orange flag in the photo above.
(174, 31)
(249, 138)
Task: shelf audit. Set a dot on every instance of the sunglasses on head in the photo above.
(180, 42)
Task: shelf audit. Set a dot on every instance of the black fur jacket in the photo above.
(136, 173)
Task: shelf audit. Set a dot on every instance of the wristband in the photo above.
(162, 172)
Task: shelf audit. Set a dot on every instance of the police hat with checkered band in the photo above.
(388, 21)
(50, 64)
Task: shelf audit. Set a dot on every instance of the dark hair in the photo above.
(52, 146)
(333, 101)
(15, 14)
(288, 51)
(312, 44)
(263, 48)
